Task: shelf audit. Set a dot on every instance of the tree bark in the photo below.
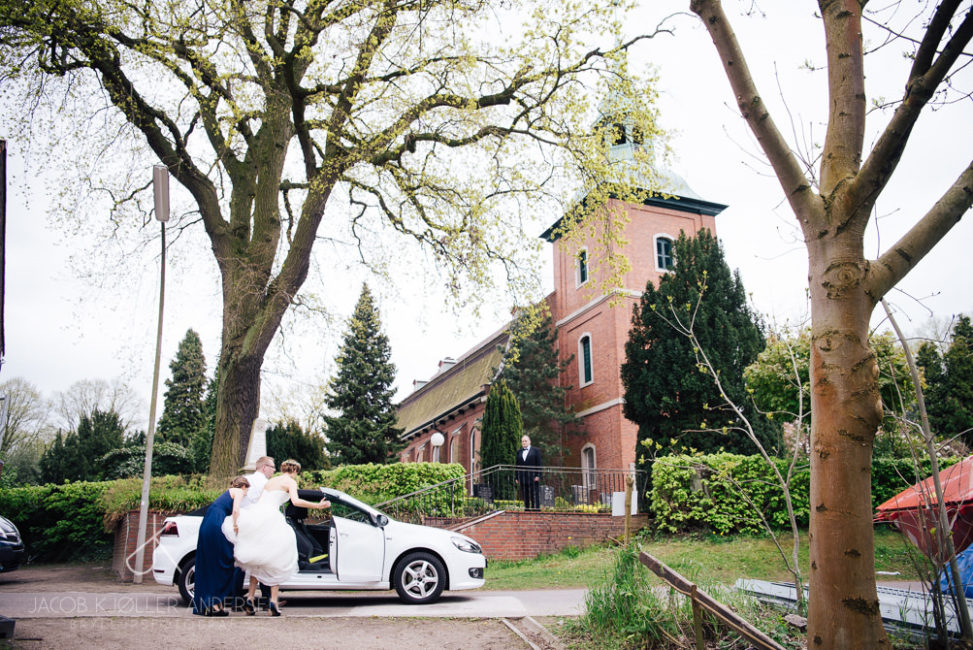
(846, 411)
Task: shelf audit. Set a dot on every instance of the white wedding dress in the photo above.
(265, 544)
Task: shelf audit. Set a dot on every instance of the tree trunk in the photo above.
(846, 411)
(237, 408)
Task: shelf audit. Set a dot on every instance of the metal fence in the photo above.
(507, 487)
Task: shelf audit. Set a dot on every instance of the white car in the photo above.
(359, 548)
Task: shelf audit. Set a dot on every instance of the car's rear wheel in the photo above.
(187, 579)
(420, 578)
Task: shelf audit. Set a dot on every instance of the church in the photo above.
(441, 418)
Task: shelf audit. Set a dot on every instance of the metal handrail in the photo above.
(558, 489)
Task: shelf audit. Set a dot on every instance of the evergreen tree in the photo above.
(201, 446)
(78, 456)
(98, 434)
(56, 464)
(666, 393)
(288, 440)
(532, 376)
(949, 396)
(363, 431)
(183, 414)
(502, 427)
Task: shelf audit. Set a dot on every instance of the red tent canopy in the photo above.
(911, 510)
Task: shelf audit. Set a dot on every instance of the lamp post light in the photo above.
(436, 440)
(160, 191)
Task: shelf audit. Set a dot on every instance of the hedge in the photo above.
(722, 493)
(75, 521)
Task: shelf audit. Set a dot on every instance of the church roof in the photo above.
(673, 202)
(454, 388)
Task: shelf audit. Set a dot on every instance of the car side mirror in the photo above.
(382, 521)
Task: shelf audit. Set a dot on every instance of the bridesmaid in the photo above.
(214, 552)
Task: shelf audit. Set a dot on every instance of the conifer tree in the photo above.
(288, 440)
(532, 376)
(363, 428)
(183, 414)
(502, 427)
(950, 383)
(674, 403)
(77, 456)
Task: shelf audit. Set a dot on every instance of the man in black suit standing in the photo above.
(529, 480)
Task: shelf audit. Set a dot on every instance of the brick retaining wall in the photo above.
(126, 541)
(517, 535)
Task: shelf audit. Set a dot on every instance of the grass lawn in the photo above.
(702, 559)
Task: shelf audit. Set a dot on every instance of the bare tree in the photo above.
(26, 414)
(845, 286)
(88, 395)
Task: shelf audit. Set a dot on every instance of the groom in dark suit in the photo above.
(529, 480)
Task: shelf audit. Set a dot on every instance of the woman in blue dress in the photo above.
(214, 552)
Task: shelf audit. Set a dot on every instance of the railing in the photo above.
(558, 489)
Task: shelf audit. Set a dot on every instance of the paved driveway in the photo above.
(464, 604)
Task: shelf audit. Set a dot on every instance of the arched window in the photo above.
(618, 133)
(452, 447)
(435, 454)
(588, 465)
(582, 266)
(664, 260)
(585, 370)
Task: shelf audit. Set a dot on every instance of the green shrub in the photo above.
(373, 483)
(722, 493)
(59, 522)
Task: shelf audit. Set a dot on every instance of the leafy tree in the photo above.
(832, 205)
(363, 431)
(406, 116)
(183, 414)
(949, 396)
(502, 427)
(532, 372)
(771, 380)
(288, 440)
(666, 393)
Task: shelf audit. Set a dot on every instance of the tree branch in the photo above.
(806, 204)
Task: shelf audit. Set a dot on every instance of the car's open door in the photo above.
(357, 551)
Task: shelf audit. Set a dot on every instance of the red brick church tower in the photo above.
(591, 326)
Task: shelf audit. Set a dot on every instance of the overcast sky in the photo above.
(61, 329)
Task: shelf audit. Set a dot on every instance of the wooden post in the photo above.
(697, 621)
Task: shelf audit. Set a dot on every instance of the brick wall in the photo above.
(126, 542)
(523, 535)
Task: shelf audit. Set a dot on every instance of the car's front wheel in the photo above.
(187, 579)
(420, 578)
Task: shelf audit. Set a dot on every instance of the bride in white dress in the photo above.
(263, 542)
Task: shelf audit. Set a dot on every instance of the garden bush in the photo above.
(723, 493)
(75, 520)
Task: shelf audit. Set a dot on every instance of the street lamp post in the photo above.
(160, 190)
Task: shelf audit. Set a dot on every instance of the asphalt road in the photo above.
(462, 604)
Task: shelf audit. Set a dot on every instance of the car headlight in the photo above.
(466, 545)
(8, 530)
